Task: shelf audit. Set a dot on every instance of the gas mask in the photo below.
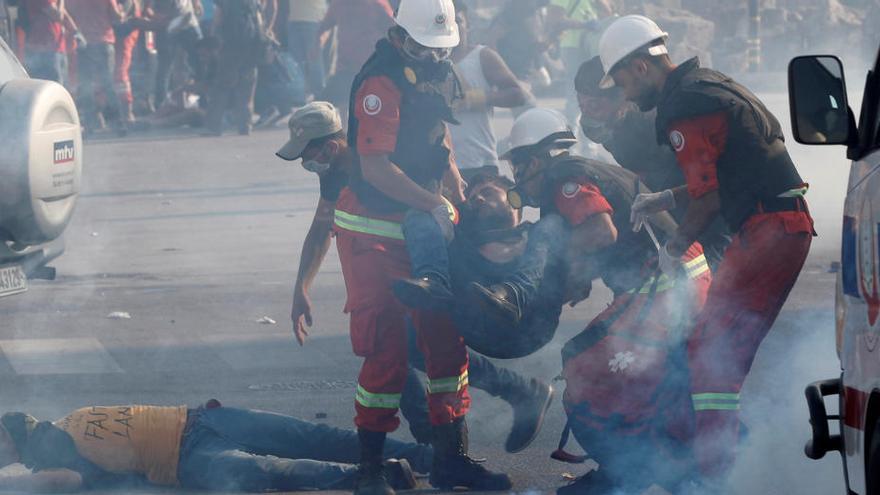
(421, 53)
(315, 166)
(517, 196)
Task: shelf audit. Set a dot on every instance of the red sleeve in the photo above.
(698, 142)
(578, 201)
(377, 109)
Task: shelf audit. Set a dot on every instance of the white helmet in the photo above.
(624, 37)
(430, 23)
(540, 126)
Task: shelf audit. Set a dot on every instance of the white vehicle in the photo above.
(40, 171)
(821, 115)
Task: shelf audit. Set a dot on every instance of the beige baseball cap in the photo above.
(315, 120)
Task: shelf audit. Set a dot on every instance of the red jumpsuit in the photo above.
(122, 72)
(625, 378)
(749, 289)
(373, 255)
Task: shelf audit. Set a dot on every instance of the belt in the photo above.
(775, 205)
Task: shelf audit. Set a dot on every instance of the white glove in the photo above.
(647, 204)
(441, 215)
(670, 265)
(81, 42)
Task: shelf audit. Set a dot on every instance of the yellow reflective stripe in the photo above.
(453, 213)
(714, 401)
(693, 268)
(711, 406)
(378, 401)
(448, 385)
(800, 192)
(366, 225)
(664, 284)
(715, 396)
(696, 267)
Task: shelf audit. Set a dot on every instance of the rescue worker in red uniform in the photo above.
(626, 392)
(397, 131)
(735, 163)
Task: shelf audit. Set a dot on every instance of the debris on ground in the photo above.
(119, 315)
(266, 321)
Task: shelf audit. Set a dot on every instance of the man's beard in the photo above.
(648, 100)
(493, 220)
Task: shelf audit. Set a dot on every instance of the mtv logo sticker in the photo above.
(64, 152)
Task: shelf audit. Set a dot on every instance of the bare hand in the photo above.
(301, 315)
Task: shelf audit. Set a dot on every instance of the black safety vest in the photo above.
(755, 165)
(419, 151)
(623, 263)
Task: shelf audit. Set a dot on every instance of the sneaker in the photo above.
(528, 415)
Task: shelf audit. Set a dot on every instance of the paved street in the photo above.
(198, 238)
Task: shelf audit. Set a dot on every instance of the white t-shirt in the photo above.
(307, 10)
(473, 141)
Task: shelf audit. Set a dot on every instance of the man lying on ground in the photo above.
(211, 447)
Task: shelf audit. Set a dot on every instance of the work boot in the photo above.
(371, 478)
(453, 468)
(400, 474)
(428, 293)
(498, 300)
(528, 415)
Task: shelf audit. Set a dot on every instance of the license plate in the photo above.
(12, 280)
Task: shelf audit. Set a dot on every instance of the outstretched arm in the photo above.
(314, 249)
(507, 92)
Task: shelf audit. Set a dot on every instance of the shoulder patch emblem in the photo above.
(570, 189)
(676, 138)
(410, 75)
(372, 104)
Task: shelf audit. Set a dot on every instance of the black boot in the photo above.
(429, 293)
(453, 468)
(498, 300)
(371, 470)
(529, 409)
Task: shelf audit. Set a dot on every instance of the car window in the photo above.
(9, 66)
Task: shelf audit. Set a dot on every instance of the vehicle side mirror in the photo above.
(817, 98)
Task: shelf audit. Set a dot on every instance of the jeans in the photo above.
(426, 246)
(248, 450)
(302, 38)
(96, 86)
(547, 240)
(51, 66)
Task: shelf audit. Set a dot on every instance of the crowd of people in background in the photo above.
(240, 64)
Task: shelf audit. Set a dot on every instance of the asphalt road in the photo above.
(198, 238)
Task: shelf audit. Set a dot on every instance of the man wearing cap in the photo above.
(731, 151)
(629, 135)
(397, 130)
(491, 248)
